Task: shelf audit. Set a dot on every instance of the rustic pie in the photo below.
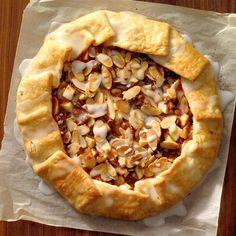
(120, 114)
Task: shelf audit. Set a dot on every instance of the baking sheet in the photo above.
(20, 198)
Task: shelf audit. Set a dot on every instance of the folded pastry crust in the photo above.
(41, 134)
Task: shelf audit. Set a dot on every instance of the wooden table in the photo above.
(10, 20)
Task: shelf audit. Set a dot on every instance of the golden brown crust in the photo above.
(42, 137)
(183, 59)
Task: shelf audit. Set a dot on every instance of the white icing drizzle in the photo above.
(17, 133)
(97, 109)
(188, 38)
(23, 65)
(100, 131)
(225, 98)
(215, 65)
(75, 41)
(45, 188)
(155, 221)
(151, 138)
(78, 66)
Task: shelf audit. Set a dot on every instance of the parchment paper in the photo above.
(212, 33)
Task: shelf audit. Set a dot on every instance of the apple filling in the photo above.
(122, 116)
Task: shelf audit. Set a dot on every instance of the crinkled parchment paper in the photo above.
(212, 33)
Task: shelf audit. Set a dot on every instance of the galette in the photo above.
(120, 114)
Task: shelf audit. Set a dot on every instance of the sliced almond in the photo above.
(78, 84)
(152, 139)
(68, 92)
(131, 93)
(92, 51)
(90, 65)
(90, 142)
(168, 121)
(79, 76)
(105, 59)
(106, 77)
(135, 63)
(83, 129)
(154, 74)
(70, 124)
(148, 92)
(139, 172)
(150, 110)
(90, 122)
(159, 166)
(111, 170)
(94, 81)
(127, 57)
(73, 149)
(77, 66)
(98, 170)
(67, 106)
(163, 107)
(169, 144)
(136, 119)
(122, 106)
(82, 141)
(96, 110)
(111, 109)
(124, 74)
(100, 130)
(175, 132)
(99, 97)
(118, 60)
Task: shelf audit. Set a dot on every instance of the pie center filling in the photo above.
(122, 117)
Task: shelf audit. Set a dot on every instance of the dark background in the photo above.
(10, 21)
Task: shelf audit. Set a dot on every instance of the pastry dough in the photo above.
(41, 133)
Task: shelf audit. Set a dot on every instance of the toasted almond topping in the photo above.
(77, 66)
(107, 77)
(83, 129)
(118, 60)
(92, 51)
(67, 106)
(150, 110)
(96, 110)
(139, 172)
(169, 144)
(111, 170)
(122, 106)
(131, 93)
(73, 149)
(90, 142)
(80, 77)
(136, 119)
(78, 84)
(175, 132)
(94, 81)
(105, 60)
(111, 110)
(98, 170)
(82, 141)
(68, 92)
(90, 122)
(168, 121)
(70, 124)
(100, 130)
